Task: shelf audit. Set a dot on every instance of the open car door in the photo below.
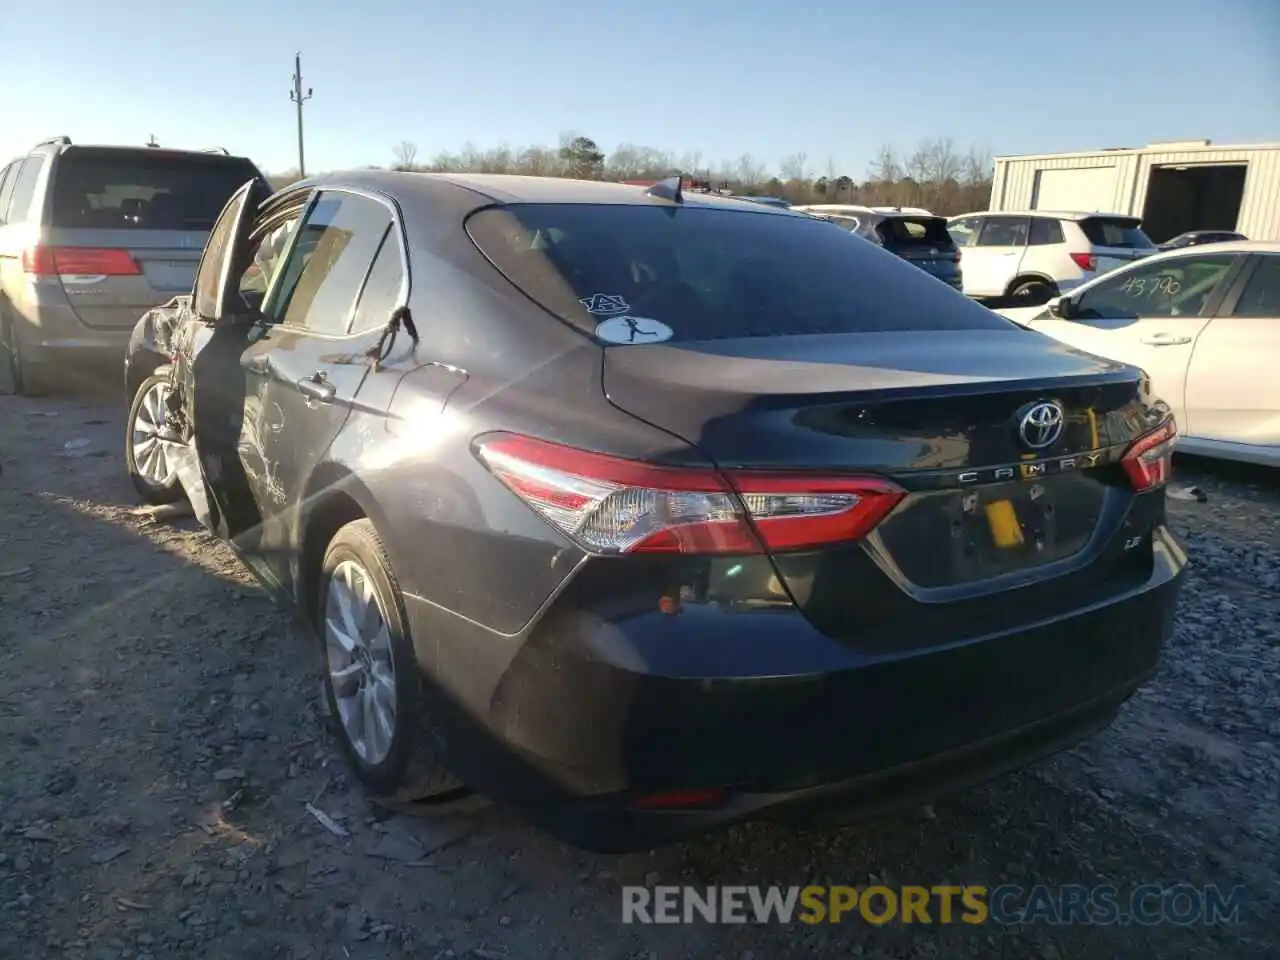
(212, 381)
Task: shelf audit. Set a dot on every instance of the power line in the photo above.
(296, 95)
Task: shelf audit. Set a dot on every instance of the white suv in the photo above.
(1029, 257)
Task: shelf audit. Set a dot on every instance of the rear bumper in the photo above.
(57, 336)
(610, 825)
(603, 704)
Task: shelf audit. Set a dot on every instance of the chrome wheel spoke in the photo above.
(358, 647)
(150, 453)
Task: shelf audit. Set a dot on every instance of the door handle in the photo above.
(316, 387)
(1164, 340)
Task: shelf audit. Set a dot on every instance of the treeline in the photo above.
(935, 175)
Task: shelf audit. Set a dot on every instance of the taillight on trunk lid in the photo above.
(611, 505)
(46, 261)
(1149, 459)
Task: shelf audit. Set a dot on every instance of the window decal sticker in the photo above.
(624, 330)
(605, 304)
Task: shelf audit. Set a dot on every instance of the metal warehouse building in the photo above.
(1173, 186)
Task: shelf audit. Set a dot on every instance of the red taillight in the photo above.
(681, 799)
(1149, 460)
(1085, 261)
(44, 261)
(610, 505)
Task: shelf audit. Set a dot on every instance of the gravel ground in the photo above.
(161, 737)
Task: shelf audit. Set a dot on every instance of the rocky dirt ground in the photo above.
(161, 738)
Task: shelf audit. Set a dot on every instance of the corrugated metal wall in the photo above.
(1014, 180)
(1014, 184)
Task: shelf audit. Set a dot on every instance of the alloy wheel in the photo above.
(358, 651)
(150, 449)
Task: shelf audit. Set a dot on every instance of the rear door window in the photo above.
(711, 273)
(24, 190)
(137, 190)
(7, 177)
(963, 231)
(1179, 287)
(1044, 232)
(329, 260)
(1261, 296)
(1124, 232)
(382, 288)
(1003, 232)
(849, 223)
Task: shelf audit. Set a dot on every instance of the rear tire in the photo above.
(152, 475)
(395, 753)
(1032, 293)
(16, 377)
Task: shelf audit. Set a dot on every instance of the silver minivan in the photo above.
(93, 236)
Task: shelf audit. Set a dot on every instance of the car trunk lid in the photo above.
(938, 412)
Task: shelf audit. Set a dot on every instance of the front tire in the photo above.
(371, 677)
(152, 470)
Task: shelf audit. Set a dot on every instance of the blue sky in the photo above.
(834, 80)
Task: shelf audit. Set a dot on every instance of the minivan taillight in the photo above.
(47, 261)
(611, 505)
(1085, 261)
(1149, 459)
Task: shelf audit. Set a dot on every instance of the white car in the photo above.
(1204, 323)
(1028, 257)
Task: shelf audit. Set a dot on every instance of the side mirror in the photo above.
(1064, 308)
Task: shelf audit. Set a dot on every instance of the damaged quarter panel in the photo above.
(152, 343)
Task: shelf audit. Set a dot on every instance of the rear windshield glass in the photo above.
(144, 191)
(711, 273)
(1115, 232)
(897, 232)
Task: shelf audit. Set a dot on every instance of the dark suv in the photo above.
(915, 235)
(92, 236)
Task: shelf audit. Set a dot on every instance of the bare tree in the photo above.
(794, 167)
(935, 174)
(749, 172)
(405, 153)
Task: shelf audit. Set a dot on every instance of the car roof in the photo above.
(486, 189)
(123, 149)
(834, 208)
(1228, 246)
(1049, 214)
(513, 188)
(854, 209)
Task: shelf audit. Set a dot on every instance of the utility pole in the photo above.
(296, 95)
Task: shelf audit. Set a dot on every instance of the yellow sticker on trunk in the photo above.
(1006, 531)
